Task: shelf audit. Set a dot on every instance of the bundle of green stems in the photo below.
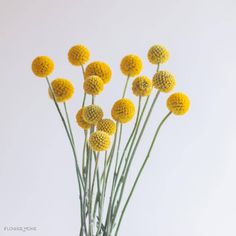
(102, 181)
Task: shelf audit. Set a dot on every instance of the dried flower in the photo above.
(142, 86)
(107, 125)
(131, 65)
(42, 66)
(158, 54)
(123, 110)
(100, 69)
(178, 103)
(63, 90)
(99, 141)
(92, 114)
(78, 55)
(164, 81)
(93, 85)
(80, 120)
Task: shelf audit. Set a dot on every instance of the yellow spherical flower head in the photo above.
(158, 54)
(80, 120)
(93, 85)
(123, 110)
(92, 114)
(142, 86)
(99, 141)
(131, 65)
(100, 69)
(42, 66)
(178, 103)
(78, 55)
(164, 81)
(63, 89)
(107, 125)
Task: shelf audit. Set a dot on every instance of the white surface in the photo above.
(188, 187)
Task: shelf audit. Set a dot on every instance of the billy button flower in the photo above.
(107, 125)
(178, 103)
(80, 120)
(158, 54)
(93, 85)
(63, 90)
(100, 69)
(78, 55)
(164, 81)
(123, 110)
(92, 114)
(131, 65)
(42, 66)
(99, 141)
(142, 86)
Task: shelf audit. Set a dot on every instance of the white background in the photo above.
(188, 187)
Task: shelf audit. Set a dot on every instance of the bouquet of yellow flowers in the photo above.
(103, 167)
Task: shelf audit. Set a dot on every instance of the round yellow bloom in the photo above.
(131, 65)
(42, 66)
(158, 54)
(92, 114)
(80, 120)
(164, 81)
(99, 141)
(78, 55)
(123, 110)
(100, 69)
(142, 86)
(93, 85)
(107, 125)
(178, 103)
(63, 90)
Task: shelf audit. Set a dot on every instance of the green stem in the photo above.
(84, 153)
(69, 125)
(140, 171)
(130, 156)
(102, 199)
(125, 88)
(70, 137)
(131, 135)
(109, 215)
(127, 158)
(68, 134)
(94, 175)
(84, 99)
(90, 188)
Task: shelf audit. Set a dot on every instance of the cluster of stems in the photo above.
(102, 177)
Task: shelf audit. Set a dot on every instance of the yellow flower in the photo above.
(131, 65)
(164, 81)
(100, 69)
(107, 125)
(178, 103)
(99, 141)
(123, 110)
(78, 55)
(93, 85)
(63, 90)
(92, 114)
(158, 54)
(80, 120)
(142, 86)
(42, 66)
